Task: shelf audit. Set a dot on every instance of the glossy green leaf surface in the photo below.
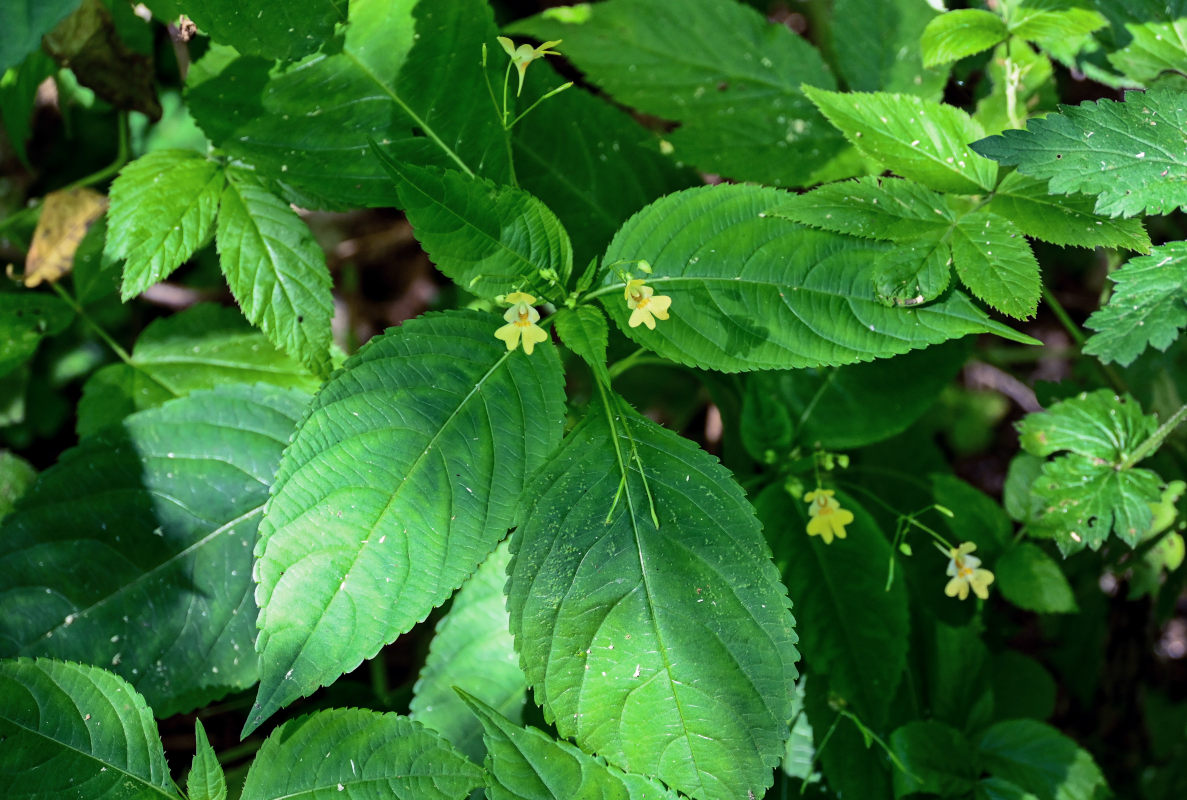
(937, 757)
(667, 650)
(71, 730)
(1031, 579)
(890, 209)
(284, 29)
(877, 46)
(415, 453)
(995, 262)
(26, 318)
(24, 22)
(1156, 47)
(960, 33)
(1033, 755)
(1046, 25)
(164, 597)
(206, 780)
(584, 330)
(753, 291)
(356, 754)
(1148, 306)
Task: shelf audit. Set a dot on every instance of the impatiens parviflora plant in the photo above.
(787, 247)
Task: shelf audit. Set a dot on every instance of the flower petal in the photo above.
(531, 335)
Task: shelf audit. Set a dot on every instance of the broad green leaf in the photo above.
(766, 425)
(1066, 220)
(353, 754)
(162, 210)
(526, 764)
(877, 46)
(1148, 306)
(284, 29)
(276, 270)
(1030, 579)
(71, 730)
(203, 347)
(134, 551)
(964, 32)
(1157, 47)
(730, 78)
(26, 317)
(752, 291)
(18, 97)
(584, 331)
(890, 209)
(1017, 497)
(913, 272)
(24, 22)
(648, 616)
(957, 668)
(16, 476)
(1022, 688)
(995, 262)
(1052, 25)
(976, 517)
(922, 140)
(1094, 489)
(937, 760)
(414, 453)
(206, 780)
(408, 74)
(1040, 758)
(852, 628)
(488, 239)
(1129, 153)
(999, 789)
(472, 650)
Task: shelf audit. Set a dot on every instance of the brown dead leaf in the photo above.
(65, 217)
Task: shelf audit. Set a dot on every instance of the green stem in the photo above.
(1156, 439)
(542, 98)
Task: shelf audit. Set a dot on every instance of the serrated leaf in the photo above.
(1130, 154)
(1156, 47)
(276, 270)
(164, 597)
(16, 476)
(919, 139)
(69, 728)
(937, 759)
(27, 317)
(1052, 25)
(283, 29)
(995, 262)
(752, 291)
(1030, 579)
(851, 627)
(1097, 424)
(162, 210)
(877, 46)
(913, 272)
(1040, 758)
(584, 330)
(415, 452)
(667, 650)
(472, 650)
(1148, 306)
(1066, 220)
(739, 101)
(890, 209)
(526, 764)
(488, 239)
(409, 76)
(24, 22)
(206, 780)
(354, 753)
(957, 34)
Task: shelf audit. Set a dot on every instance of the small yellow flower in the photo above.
(964, 571)
(828, 519)
(521, 322)
(525, 54)
(646, 306)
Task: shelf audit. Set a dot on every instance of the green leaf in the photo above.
(26, 317)
(913, 272)
(1020, 503)
(730, 78)
(957, 34)
(584, 331)
(18, 97)
(1022, 688)
(957, 668)
(995, 262)
(919, 139)
(1045, 25)
(415, 452)
(134, 551)
(1040, 758)
(16, 476)
(162, 210)
(998, 789)
(976, 516)
(471, 650)
(1148, 306)
(766, 427)
(1022, 85)
(202, 347)
(851, 627)
(284, 29)
(937, 757)
(408, 76)
(358, 753)
(24, 22)
(1157, 47)
(853, 766)
(877, 46)
(488, 239)
(206, 780)
(1066, 220)
(70, 726)
(1129, 154)
(890, 209)
(1093, 490)
(276, 270)
(1030, 579)
(526, 764)
(649, 619)
(752, 291)
(799, 757)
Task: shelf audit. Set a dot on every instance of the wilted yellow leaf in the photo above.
(65, 217)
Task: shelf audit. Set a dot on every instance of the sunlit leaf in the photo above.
(961, 33)
(1148, 306)
(206, 780)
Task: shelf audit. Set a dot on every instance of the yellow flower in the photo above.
(964, 571)
(646, 306)
(525, 54)
(521, 322)
(828, 519)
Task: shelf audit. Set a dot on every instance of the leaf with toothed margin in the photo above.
(403, 476)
